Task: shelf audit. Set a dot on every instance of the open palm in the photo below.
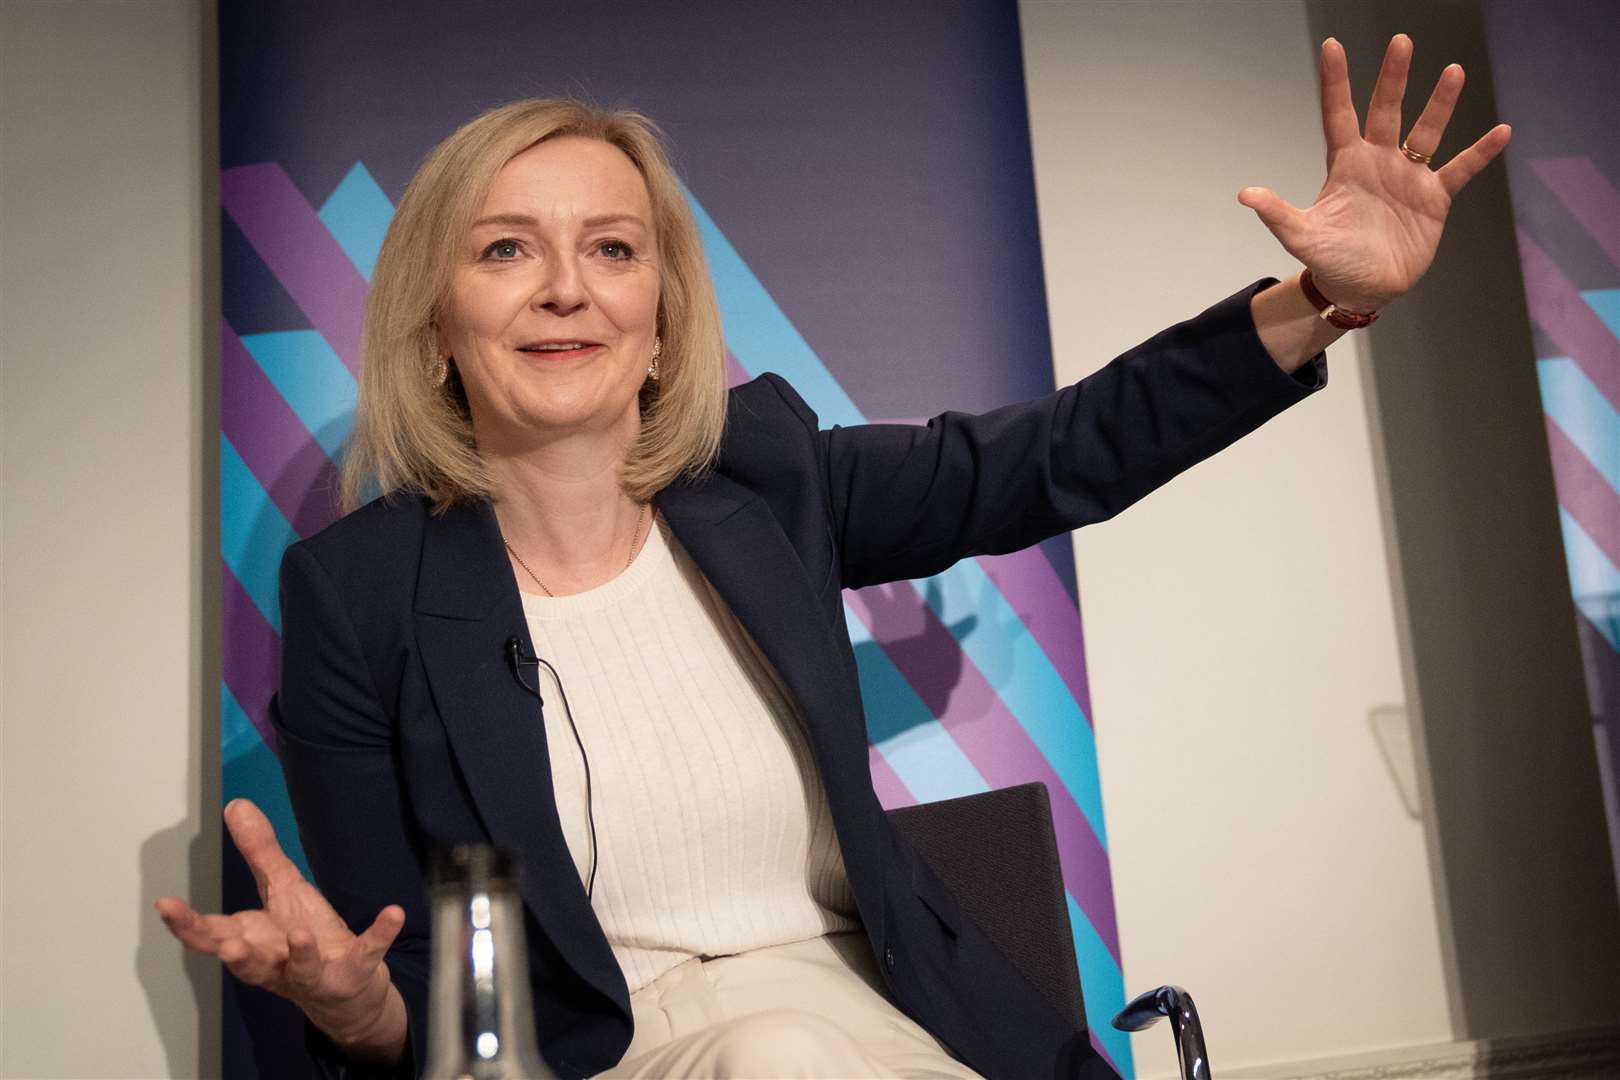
(1374, 227)
(296, 945)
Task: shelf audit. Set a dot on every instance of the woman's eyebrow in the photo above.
(524, 221)
(521, 221)
(611, 219)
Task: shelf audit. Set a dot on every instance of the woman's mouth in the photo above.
(558, 350)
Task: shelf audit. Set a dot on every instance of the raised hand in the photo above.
(1374, 227)
(298, 947)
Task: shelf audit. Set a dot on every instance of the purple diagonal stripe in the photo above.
(891, 790)
(999, 747)
(736, 374)
(1564, 315)
(288, 235)
(280, 452)
(1588, 196)
(249, 648)
(1584, 492)
(1028, 582)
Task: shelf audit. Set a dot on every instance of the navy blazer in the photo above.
(402, 724)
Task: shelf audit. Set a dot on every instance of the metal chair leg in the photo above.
(1177, 1004)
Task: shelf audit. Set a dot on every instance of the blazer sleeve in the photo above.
(908, 501)
(342, 771)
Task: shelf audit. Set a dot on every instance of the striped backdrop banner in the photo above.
(1557, 74)
(886, 263)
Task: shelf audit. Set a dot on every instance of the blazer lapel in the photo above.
(467, 610)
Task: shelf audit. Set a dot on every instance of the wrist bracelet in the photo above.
(1330, 312)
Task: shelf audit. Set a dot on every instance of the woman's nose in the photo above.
(561, 289)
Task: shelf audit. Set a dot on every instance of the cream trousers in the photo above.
(814, 1008)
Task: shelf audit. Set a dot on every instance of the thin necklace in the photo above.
(628, 559)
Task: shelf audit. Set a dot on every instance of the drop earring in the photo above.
(441, 370)
(658, 350)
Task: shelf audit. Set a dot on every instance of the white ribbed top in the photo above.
(712, 827)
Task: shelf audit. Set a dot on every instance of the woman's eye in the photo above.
(502, 249)
(615, 249)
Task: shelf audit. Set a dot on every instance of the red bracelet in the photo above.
(1331, 312)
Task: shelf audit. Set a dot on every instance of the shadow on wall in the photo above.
(913, 633)
(184, 1003)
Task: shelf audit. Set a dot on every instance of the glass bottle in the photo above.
(480, 1019)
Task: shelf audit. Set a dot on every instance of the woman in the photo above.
(542, 403)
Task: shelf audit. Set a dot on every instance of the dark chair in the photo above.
(997, 853)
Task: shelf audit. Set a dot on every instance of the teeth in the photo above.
(555, 348)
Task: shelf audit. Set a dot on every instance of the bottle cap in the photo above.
(477, 865)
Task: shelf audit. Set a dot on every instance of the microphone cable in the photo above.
(515, 656)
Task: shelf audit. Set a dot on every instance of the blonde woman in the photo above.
(564, 477)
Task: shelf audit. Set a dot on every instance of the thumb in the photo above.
(1286, 221)
(369, 947)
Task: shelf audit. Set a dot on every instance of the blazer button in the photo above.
(888, 957)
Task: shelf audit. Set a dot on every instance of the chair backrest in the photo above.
(997, 853)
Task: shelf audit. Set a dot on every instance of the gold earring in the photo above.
(441, 370)
(658, 350)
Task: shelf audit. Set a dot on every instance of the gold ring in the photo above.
(1413, 155)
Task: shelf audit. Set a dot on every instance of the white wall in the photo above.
(101, 597)
(1239, 624)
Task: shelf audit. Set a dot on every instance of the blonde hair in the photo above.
(412, 431)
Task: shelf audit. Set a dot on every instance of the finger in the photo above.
(1430, 128)
(304, 961)
(367, 950)
(255, 838)
(186, 925)
(1286, 221)
(1384, 111)
(1339, 123)
(1456, 173)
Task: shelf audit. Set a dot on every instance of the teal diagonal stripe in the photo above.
(1593, 579)
(252, 532)
(250, 771)
(1606, 302)
(316, 385)
(1581, 409)
(357, 214)
(916, 746)
(760, 336)
(1103, 988)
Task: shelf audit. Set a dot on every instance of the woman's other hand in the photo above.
(1374, 227)
(298, 947)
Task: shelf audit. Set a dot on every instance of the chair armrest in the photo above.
(1147, 1009)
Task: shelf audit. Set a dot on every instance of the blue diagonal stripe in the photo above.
(357, 214)
(237, 735)
(762, 338)
(1104, 989)
(252, 532)
(250, 771)
(1606, 302)
(760, 335)
(1586, 416)
(1593, 579)
(916, 746)
(316, 385)
(1005, 652)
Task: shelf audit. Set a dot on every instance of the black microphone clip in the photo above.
(515, 660)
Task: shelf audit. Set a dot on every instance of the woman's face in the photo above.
(554, 299)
